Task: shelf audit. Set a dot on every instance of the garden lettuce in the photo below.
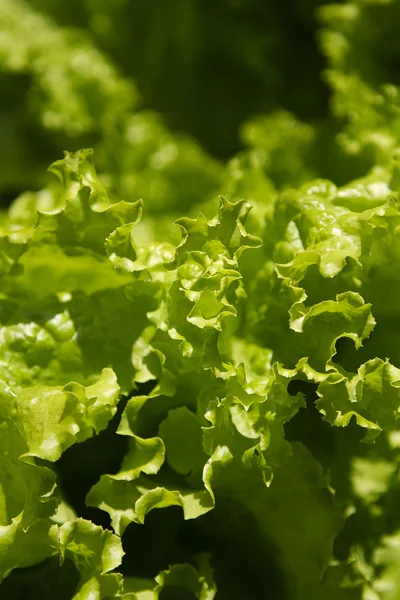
(199, 359)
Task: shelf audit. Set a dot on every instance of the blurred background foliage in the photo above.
(205, 66)
(189, 98)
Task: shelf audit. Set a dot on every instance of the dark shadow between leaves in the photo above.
(81, 466)
(176, 593)
(245, 565)
(45, 581)
(308, 426)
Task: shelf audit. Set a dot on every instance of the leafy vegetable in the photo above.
(199, 357)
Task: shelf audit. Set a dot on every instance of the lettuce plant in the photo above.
(199, 361)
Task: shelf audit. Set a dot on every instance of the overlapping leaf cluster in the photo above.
(239, 371)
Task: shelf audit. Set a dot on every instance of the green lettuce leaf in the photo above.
(95, 553)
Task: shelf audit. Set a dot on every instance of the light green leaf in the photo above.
(371, 396)
(50, 419)
(95, 553)
(182, 435)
